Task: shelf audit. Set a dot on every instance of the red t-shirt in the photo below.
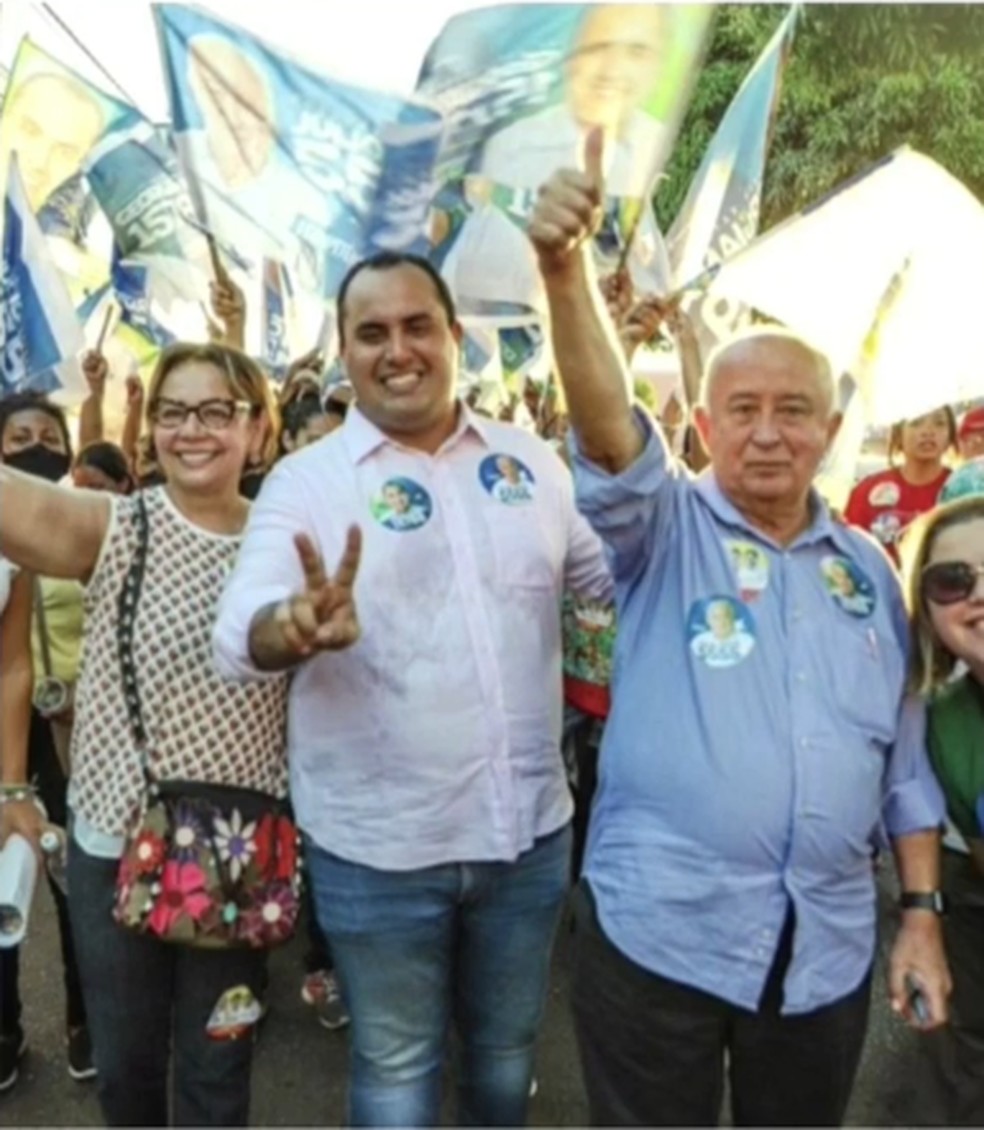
(884, 504)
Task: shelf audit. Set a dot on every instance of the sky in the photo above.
(376, 43)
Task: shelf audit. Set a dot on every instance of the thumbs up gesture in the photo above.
(569, 208)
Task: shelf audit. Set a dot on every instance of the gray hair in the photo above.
(763, 335)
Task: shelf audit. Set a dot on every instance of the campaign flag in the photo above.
(40, 335)
(881, 319)
(289, 163)
(276, 352)
(135, 175)
(720, 214)
(52, 117)
(521, 86)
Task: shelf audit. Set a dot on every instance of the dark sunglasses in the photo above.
(949, 582)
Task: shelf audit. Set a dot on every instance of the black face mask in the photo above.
(40, 461)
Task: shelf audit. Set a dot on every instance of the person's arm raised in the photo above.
(50, 530)
(588, 355)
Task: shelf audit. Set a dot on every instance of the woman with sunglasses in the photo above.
(154, 1005)
(945, 566)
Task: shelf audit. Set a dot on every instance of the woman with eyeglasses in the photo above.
(944, 554)
(155, 1006)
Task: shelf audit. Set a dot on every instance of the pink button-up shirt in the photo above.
(435, 738)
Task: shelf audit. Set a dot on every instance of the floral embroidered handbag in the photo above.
(205, 865)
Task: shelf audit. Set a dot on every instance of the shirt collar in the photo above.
(822, 527)
(362, 437)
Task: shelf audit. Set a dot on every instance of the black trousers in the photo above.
(45, 770)
(956, 1052)
(653, 1051)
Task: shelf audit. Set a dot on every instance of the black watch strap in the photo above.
(923, 900)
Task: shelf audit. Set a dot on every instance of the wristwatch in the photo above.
(923, 900)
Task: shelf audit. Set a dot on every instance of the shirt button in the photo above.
(804, 743)
(800, 676)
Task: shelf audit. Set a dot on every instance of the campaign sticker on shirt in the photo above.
(721, 631)
(887, 527)
(751, 566)
(849, 585)
(402, 504)
(885, 494)
(506, 479)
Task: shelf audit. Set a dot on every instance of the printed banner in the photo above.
(289, 163)
(135, 175)
(520, 87)
(276, 353)
(40, 336)
(720, 214)
(52, 117)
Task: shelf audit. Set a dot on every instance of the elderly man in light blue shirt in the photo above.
(756, 744)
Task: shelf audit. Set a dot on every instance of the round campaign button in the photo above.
(507, 480)
(885, 494)
(720, 631)
(401, 505)
(848, 585)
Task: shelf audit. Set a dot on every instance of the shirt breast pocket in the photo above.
(524, 557)
(868, 681)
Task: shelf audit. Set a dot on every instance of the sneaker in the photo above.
(321, 991)
(12, 1050)
(80, 1065)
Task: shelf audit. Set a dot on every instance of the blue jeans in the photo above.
(415, 951)
(149, 1004)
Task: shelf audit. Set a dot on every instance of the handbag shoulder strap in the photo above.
(42, 619)
(129, 600)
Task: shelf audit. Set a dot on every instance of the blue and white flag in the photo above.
(289, 163)
(132, 290)
(522, 86)
(720, 214)
(40, 335)
(135, 175)
(276, 352)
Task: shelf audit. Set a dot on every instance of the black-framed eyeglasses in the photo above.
(949, 582)
(213, 415)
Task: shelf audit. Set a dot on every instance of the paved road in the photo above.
(300, 1068)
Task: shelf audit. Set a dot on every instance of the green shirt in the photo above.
(956, 749)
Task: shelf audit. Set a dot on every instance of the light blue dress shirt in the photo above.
(756, 742)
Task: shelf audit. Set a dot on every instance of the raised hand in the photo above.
(134, 392)
(323, 616)
(569, 208)
(229, 307)
(96, 373)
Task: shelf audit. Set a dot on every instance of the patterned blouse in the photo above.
(200, 727)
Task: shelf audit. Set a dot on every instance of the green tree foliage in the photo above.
(862, 80)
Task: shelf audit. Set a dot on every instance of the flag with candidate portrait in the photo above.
(720, 214)
(40, 335)
(288, 163)
(52, 118)
(521, 87)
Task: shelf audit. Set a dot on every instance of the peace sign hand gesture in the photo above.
(323, 616)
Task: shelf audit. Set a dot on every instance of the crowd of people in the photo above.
(392, 627)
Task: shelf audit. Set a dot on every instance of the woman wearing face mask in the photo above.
(945, 565)
(34, 439)
(886, 502)
(155, 1005)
